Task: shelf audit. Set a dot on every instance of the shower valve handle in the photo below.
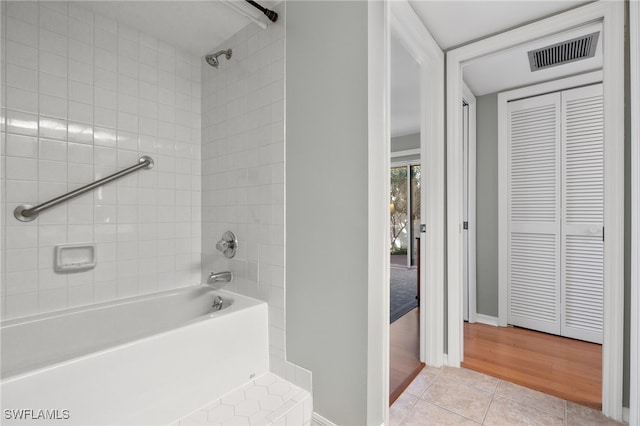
(228, 245)
(222, 245)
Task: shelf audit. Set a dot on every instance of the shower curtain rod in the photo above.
(273, 16)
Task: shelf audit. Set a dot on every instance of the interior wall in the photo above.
(327, 204)
(243, 174)
(84, 97)
(403, 143)
(487, 205)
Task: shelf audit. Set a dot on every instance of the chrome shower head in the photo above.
(212, 59)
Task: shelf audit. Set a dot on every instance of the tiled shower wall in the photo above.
(243, 178)
(84, 97)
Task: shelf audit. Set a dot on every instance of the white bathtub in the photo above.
(147, 360)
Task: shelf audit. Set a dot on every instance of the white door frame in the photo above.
(470, 99)
(406, 25)
(382, 16)
(379, 148)
(634, 399)
(503, 99)
(612, 16)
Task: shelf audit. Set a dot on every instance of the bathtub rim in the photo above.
(239, 303)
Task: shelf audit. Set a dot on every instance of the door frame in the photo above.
(383, 16)
(470, 99)
(412, 33)
(634, 40)
(612, 16)
(503, 99)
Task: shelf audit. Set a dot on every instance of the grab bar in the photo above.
(27, 212)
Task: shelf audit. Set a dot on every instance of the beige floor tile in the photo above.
(471, 378)
(458, 397)
(532, 398)
(579, 415)
(401, 407)
(425, 413)
(507, 412)
(423, 380)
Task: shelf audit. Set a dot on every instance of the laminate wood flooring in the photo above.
(567, 368)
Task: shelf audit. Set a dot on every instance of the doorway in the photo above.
(462, 58)
(404, 220)
(570, 145)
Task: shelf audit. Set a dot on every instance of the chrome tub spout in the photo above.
(215, 277)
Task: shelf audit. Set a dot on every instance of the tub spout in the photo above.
(215, 277)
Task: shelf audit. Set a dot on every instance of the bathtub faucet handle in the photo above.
(228, 244)
(222, 245)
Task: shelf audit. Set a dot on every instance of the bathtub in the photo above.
(146, 360)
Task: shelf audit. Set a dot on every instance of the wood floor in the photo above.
(567, 368)
(404, 353)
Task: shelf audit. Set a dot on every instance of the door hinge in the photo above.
(423, 227)
(465, 225)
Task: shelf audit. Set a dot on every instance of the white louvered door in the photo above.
(555, 213)
(534, 213)
(583, 213)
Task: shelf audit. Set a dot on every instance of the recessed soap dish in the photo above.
(74, 257)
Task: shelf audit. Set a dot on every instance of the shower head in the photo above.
(212, 59)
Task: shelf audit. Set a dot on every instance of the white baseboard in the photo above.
(487, 319)
(625, 414)
(318, 420)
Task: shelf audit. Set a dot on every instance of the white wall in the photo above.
(86, 97)
(243, 173)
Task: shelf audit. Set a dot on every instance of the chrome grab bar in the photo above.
(27, 212)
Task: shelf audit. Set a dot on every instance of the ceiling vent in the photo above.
(564, 52)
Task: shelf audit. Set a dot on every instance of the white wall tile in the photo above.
(243, 169)
(81, 52)
(53, 106)
(24, 10)
(21, 31)
(21, 146)
(82, 95)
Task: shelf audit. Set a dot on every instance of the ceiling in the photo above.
(197, 27)
(405, 93)
(453, 23)
(510, 68)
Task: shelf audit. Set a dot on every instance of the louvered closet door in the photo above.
(534, 213)
(583, 213)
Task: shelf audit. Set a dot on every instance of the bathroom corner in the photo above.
(243, 174)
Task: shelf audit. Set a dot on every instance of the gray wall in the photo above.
(402, 143)
(326, 220)
(487, 205)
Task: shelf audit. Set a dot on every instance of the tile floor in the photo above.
(457, 396)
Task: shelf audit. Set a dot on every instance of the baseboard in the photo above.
(487, 319)
(625, 414)
(318, 420)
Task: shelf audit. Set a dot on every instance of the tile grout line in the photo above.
(452, 412)
(493, 394)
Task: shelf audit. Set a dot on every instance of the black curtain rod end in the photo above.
(273, 16)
